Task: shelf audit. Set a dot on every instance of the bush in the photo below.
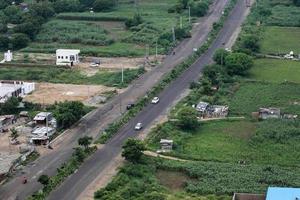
(220, 56)
(187, 118)
(103, 5)
(133, 150)
(19, 40)
(238, 63)
(136, 20)
(67, 6)
(199, 9)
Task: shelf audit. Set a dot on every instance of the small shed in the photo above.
(202, 106)
(8, 56)
(166, 144)
(269, 113)
(67, 57)
(43, 118)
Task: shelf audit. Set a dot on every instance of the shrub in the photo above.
(238, 63)
(187, 118)
(136, 20)
(133, 150)
(103, 5)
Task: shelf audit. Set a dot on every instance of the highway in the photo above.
(96, 121)
(90, 169)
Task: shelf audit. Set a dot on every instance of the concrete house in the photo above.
(166, 145)
(202, 106)
(40, 135)
(43, 118)
(14, 89)
(67, 57)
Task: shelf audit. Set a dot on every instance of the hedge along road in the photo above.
(76, 183)
(98, 119)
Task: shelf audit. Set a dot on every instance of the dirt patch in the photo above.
(244, 130)
(173, 180)
(48, 93)
(116, 64)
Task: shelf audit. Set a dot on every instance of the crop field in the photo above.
(253, 95)
(68, 76)
(276, 71)
(105, 33)
(280, 40)
(284, 16)
(230, 141)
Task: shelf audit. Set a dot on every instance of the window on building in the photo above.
(58, 57)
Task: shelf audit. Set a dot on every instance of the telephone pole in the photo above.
(173, 32)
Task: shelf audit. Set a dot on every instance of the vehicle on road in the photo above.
(155, 100)
(138, 126)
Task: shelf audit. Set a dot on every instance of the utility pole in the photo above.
(181, 22)
(189, 14)
(173, 32)
(156, 50)
(122, 74)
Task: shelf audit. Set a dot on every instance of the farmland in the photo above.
(276, 71)
(105, 33)
(68, 76)
(280, 40)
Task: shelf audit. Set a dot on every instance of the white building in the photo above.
(14, 88)
(8, 56)
(67, 57)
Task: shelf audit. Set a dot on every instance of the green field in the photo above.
(252, 95)
(230, 141)
(68, 76)
(276, 71)
(105, 33)
(280, 40)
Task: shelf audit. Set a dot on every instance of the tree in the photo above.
(187, 118)
(67, 6)
(220, 55)
(19, 40)
(14, 133)
(199, 9)
(44, 179)
(4, 41)
(251, 42)
(133, 150)
(296, 2)
(10, 106)
(85, 141)
(103, 5)
(136, 20)
(238, 63)
(184, 3)
(27, 28)
(68, 112)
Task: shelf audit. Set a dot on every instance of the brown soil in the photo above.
(173, 180)
(48, 93)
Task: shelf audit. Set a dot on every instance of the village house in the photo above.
(6, 120)
(211, 111)
(14, 89)
(202, 106)
(43, 118)
(166, 145)
(67, 57)
(40, 135)
(269, 113)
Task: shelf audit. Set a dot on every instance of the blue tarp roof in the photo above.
(279, 193)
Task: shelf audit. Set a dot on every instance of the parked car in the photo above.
(138, 126)
(155, 100)
(129, 106)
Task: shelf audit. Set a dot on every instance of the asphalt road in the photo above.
(94, 122)
(76, 183)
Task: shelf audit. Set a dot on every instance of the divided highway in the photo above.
(76, 183)
(97, 120)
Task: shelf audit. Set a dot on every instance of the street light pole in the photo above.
(189, 14)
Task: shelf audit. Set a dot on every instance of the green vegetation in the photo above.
(69, 76)
(138, 181)
(80, 32)
(276, 71)
(133, 150)
(250, 96)
(233, 141)
(280, 40)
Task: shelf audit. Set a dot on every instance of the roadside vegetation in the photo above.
(69, 76)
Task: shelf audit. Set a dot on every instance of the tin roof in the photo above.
(280, 193)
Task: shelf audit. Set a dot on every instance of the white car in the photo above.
(138, 126)
(155, 100)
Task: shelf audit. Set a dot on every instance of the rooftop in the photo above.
(279, 193)
(6, 161)
(72, 51)
(41, 116)
(8, 88)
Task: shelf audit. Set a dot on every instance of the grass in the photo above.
(286, 16)
(81, 32)
(117, 49)
(228, 141)
(68, 76)
(276, 71)
(280, 40)
(250, 96)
